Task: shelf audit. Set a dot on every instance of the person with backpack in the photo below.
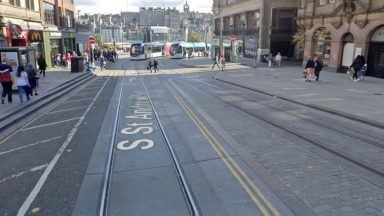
(32, 79)
(318, 67)
(22, 83)
(156, 65)
(6, 82)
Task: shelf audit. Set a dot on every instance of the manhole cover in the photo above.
(377, 94)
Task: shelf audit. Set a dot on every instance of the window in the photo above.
(15, 2)
(69, 19)
(49, 14)
(324, 2)
(302, 3)
(30, 4)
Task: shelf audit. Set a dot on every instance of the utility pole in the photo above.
(222, 50)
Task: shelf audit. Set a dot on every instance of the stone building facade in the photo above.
(339, 30)
(254, 28)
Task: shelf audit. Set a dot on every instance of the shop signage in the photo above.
(55, 34)
(216, 42)
(15, 31)
(35, 36)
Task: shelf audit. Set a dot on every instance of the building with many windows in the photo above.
(339, 30)
(59, 28)
(254, 28)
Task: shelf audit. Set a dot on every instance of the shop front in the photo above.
(322, 44)
(376, 54)
(53, 39)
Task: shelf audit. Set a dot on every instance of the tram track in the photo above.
(342, 154)
(107, 181)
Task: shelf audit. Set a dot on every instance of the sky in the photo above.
(116, 6)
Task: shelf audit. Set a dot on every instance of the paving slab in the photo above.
(334, 90)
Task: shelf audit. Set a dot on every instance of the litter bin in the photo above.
(77, 64)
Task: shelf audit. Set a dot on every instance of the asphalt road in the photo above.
(240, 152)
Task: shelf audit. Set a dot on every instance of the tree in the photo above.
(194, 38)
(99, 38)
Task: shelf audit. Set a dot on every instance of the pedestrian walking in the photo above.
(69, 59)
(309, 68)
(222, 62)
(357, 65)
(216, 62)
(278, 59)
(150, 65)
(318, 67)
(102, 62)
(58, 60)
(363, 71)
(32, 79)
(22, 83)
(42, 65)
(156, 65)
(269, 59)
(6, 82)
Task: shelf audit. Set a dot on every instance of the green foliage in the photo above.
(194, 38)
(299, 39)
(99, 38)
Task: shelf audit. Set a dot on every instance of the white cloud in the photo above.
(116, 6)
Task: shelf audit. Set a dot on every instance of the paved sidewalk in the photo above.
(207, 63)
(334, 91)
(54, 78)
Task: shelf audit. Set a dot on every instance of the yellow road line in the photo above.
(235, 169)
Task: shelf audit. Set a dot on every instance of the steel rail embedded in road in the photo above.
(181, 177)
(103, 206)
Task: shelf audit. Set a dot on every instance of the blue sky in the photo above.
(115, 6)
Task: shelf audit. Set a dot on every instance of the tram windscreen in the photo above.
(176, 48)
(136, 49)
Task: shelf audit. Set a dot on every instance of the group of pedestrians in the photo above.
(153, 64)
(26, 80)
(217, 61)
(315, 66)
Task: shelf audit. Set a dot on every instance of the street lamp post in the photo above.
(244, 26)
(222, 50)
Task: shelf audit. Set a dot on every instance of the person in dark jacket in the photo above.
(309, 68)
(42, 65)
(156, 65)
(357, 65)
(32, 79)
(318, 67)
(150, 65)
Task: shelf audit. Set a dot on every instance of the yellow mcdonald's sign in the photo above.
(35, 36)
